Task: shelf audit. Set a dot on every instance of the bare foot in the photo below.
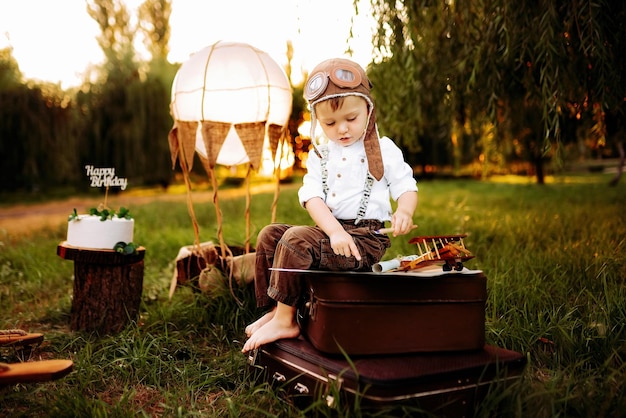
(251, 329)
(273, 330)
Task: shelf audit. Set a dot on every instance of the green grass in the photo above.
(554, 256)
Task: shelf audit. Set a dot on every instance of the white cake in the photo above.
(88, 231)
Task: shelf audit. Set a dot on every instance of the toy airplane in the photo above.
(34, 371)
(30, 371)
(19, 338)
(448, 250)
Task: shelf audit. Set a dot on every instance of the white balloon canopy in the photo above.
(229, 102)
(228, 99)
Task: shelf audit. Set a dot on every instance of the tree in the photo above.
(119, 119)
(10, 74)
(37, 135)
(154, 18)
(128, 108)
(117, 35)
(541, 61)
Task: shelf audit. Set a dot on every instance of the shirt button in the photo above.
(362, 160)
(338, 175)
(343, 159)
(334, 194)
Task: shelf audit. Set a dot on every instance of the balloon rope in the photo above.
(192, 213)
(279, 156)
(247, 244)
(227, 254)
(269, 101)
(275, 201)
(218, 213)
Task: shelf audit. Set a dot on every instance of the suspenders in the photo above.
(367, 187)
(365, 199)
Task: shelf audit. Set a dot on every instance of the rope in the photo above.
(190, 209)
(218, 212)
(248, 199)
(278, 156)
(12, 332)
(275, 201)
(227, 255)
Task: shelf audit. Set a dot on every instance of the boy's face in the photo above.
(345, 125)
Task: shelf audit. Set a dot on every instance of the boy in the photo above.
(346, 190)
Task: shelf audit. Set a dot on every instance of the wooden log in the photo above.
(107, 288)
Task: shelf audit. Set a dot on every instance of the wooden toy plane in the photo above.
(29, 371)
(18, 338)
(34, 371)
(448, 250)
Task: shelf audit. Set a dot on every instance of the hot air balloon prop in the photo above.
(229, 100)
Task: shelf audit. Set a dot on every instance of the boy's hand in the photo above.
(402, 223)
(402, 220)
(342, 244)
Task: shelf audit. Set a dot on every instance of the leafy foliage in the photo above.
(118, 118)
(533, 70)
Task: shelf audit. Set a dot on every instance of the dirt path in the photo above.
(24, 219)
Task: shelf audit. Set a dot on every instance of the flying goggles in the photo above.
(343, 75)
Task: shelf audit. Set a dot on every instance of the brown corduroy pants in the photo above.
(281, 246)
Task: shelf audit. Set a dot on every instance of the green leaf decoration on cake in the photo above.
(124, 248)
(73, 216)
(124, 213)
(104, 214)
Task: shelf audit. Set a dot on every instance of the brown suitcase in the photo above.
(363, 313)
(445, 383)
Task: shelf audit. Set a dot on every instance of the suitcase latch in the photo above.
(337, 382)
(278, 377)
(301, 389)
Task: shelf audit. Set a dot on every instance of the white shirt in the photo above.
(347, 172)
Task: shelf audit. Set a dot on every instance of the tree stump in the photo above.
(107, 288)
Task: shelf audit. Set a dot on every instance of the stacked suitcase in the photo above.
(389, 339)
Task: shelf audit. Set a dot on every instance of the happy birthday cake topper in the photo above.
(105, 177)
